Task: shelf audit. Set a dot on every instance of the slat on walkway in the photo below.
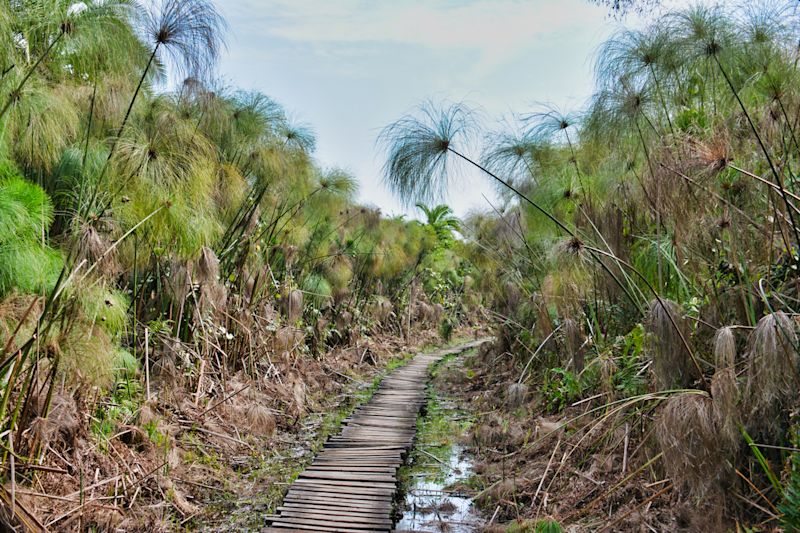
(352, 483)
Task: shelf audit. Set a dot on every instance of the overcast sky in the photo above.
(350, 67)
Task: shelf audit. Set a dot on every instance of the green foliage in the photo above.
(442, 221)
(125, 364)
(648, 254)
(446, 329)
(26, 263)
(538, 526)
(28, 267)
(560, 389)
(628, 378)
(790, 506)
(317, 290)
(762, 461)
(547, 526)
(106, 308)
(25, 209)
(124, 404)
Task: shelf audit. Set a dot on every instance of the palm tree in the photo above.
(442, 221)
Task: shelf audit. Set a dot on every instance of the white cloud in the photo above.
(495, 31)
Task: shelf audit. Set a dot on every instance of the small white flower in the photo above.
(229, 336)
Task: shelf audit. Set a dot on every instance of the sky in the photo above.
(348, 68)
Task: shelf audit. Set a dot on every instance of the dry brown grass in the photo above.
(380, 310)
(573, 341)
(95, 248)
(293, 305)
(287, 339)
(260, 420)
(213, 294)
(672, 364)
(772, 378)
(14, 308)
(608, 367)
(724, 349)
(687, 436)
(512, 297)
(177, 281)
(425, 313)
(61, 426)
(516, 394)
(725, 403)
(207, 266)
(343, 321)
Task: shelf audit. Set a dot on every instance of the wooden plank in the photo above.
(345, 501)
(326, 508)
(356, 469)
(303, 528)
(337, 526)
(331, 492)
(349, 519)
(379, 488)
(347, 476)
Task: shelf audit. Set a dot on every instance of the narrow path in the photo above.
(351, 485)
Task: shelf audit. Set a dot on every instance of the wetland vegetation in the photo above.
(190, 304)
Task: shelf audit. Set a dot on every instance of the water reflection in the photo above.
(431, 507)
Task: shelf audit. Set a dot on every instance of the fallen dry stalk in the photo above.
(630, 511)
(590, 505)
(547, 469)
(215, 434)
(21, 513)
(759, 492)
(225, 399)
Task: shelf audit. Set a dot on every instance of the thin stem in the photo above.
(15, 94)
(133, 100)
(661, 97)
(658, 208)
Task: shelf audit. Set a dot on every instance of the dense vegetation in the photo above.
(645, 278)
(185, 236)
(175, 266)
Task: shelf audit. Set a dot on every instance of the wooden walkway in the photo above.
(351, 485)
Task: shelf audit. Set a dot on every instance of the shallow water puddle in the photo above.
(430, 507)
